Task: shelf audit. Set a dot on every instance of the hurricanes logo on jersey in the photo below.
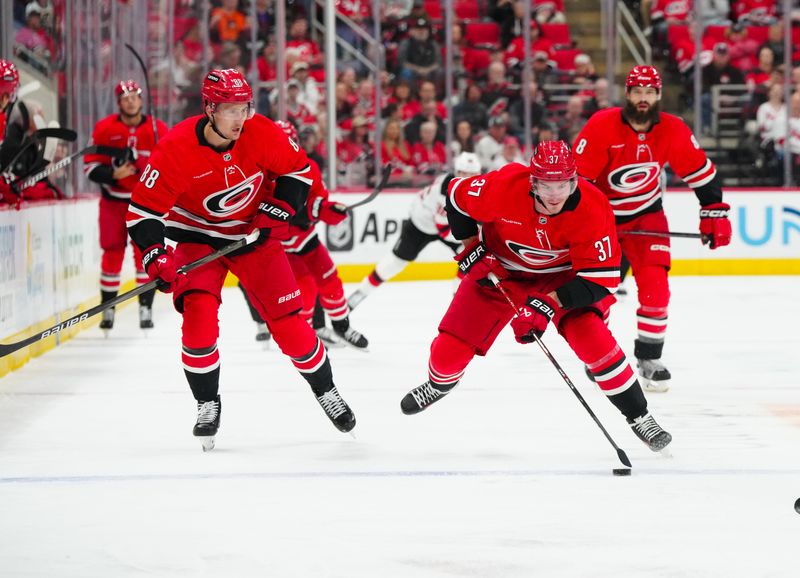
(634, 178)
(234, 198)
(533, 256)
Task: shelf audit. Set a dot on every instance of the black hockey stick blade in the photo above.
(387, 170)
(83, 316)
(623, 457)
(664, 234)
(65, 134)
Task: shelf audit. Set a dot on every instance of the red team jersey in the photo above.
(626, 165)
(206, 196)
(582, 237)
(112, 132)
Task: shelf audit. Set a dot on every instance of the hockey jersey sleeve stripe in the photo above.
(454, 184)
(702, 176)
(637, 209)
(303, 175)
(137, 209)
(89, 167)
(704, 181)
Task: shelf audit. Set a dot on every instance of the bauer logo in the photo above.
(340, 237)
(769, 225)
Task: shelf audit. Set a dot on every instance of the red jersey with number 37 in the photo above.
(626, 165)
(209, 196)
(582, 237)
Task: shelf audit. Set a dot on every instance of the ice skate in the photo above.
(349, 336)
(356, 298)
(337, 409)
(263, 335)
(421, 397)
(107, 323)
(208, 416)
(329, 338)
(654, 376)
(145, 317)
(652, 434)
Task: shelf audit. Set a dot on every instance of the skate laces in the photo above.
(207, 412)
(646, 426)
(332, 403)
(425, 394)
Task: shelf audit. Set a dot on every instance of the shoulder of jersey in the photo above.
(107, 121)
(670, 121)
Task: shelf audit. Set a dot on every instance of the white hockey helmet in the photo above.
(467, 163)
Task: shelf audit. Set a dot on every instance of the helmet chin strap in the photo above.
(215, 129)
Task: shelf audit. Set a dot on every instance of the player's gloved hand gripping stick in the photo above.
(535, 336)
(154, 284)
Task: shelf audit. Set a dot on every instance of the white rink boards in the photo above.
(507, 477)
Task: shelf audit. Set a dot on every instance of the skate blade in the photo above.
(208, 442)
(106, 333)
(666, 453)
(654, 386)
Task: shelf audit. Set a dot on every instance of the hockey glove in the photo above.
(533, 318)
(715, 227)
(272, 219)
(160, 266)
(327, 211)
(477, 260)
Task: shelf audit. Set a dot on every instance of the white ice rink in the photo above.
(508, 477)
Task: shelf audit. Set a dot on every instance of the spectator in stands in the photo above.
(471, 109)
(344, 108)
(230, 56)
(401, 96)
(573, 120)
(754, 12)
(300, 45)
(429, 154)
(365, 98)
(771, 120)
(47, 13)
(354, 153)
(775, 40)
(309, 92)
(498, 93)
(515, 51)
(491, 144)
(429, 113)
(427, 94)
(584, 70)
(516, 112)
(395, 149)
(743, 50)
(265, 19)
(296, 112)
(718, 72)
(600, 99)
(547, 12)
(463, 139)
(397, 9)
(504, 12)
(542, 67)
(309, 140)
(509, 153)
(760, 91)
(227, 24)
(714, 11)
(761, 74)
(659, 15)
(419, 56)
(794, 133)
(545, 132)
(36, 44)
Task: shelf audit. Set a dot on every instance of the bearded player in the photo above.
(623, 152)
(212, 180)
(549, 237)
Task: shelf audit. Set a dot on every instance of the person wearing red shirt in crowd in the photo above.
(515, 51)
(395, 150)
(547, 239)
(623, 151)
(429, 154)
(754, 12)
(300, 46)
(132, 130)
(215, 179)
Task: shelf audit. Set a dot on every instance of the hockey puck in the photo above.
(621, 471)
(797, 506)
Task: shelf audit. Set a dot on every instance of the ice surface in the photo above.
(507, 477)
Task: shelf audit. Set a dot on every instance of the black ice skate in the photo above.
(348, 335)
(652, 434)
(262, 334)
(208, 414)
(329, 338)
(107, 323)
(421, 397)
(145, 317)
(337, 409)
(654, 376)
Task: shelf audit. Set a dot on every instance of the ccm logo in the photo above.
(470, 259)
(713, 214)
(290, 296)
(659, 248)
(65, 325)
(274, 211)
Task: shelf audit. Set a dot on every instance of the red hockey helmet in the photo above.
(288, 128)
(553, 161)
(227, 85)
(644, 76)
(9, 79)
(126, 87)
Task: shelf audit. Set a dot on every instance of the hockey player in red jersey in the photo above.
(427, 223)
(549, 237)
(623, 152)
(311, 262)
(204, 187)
(132, 130)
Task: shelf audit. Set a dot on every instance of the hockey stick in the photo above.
(387, 170)
(667, 234)
(80, 317)
(620, 453)
(64, 134)
(23, 183)
(150, 109)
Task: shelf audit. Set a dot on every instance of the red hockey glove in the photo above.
(160, 265)
(7, 194)
(714, 224)
(272, 219)
(477, 260)
(533, 318)
(327, 211)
